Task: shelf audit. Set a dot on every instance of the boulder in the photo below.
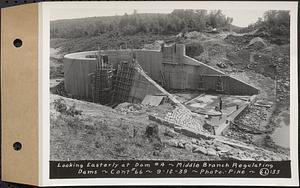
(212, 152)
(172, 143)
(257, 43)
(200, 149)
(235, 158)
(177, 129)
(170, 133)
(223, 149)
(181, 144)
(188, 132)
(222, 65)
(195, 141)
(189, 147)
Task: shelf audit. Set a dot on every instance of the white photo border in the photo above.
(48, 8)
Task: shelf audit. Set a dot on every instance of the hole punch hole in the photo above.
(18, 43)
(17, 146)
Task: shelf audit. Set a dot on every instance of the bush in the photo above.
(72, 111)
(274, 23)
(60, 106)
(194, 49)
(73, 122)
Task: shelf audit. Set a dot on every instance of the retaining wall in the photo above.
(188, 75)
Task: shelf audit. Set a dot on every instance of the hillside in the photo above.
(125, 136)
(106, 41)
(121, 137)
(130, 24)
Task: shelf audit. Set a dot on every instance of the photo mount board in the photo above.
(20, 69)
(19, 94)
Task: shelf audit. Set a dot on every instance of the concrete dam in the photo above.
(111, 77)
(169, 68)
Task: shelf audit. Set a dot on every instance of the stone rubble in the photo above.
(224, 151)
(184, 118)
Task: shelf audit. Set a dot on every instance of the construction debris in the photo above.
(184, 118)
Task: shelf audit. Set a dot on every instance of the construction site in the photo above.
(165, 99)
(186, 85)
(151, 77)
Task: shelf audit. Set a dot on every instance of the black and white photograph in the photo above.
(170, 84)
(149, 93)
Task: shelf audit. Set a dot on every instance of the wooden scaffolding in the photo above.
(123, 81)
(102, 81)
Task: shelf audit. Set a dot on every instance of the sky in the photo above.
(242, 14)
(243, 18)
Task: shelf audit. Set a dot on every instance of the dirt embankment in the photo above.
(82, 130)
(254, 58)
(100, 132)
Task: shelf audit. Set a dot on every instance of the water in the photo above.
(281, 135)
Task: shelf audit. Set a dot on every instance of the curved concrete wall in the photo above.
(76, 73)
(170, 66)
(78, 66)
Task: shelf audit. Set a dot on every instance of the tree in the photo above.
(277, 22)
(180, 20)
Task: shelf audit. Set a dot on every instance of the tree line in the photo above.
(275, 22)
(181, 20)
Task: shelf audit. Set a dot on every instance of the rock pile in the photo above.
(195, 35)
(217, 149)
(184, 118)
(257, 43)
(254, 117)
(282, 63)
(126, 108)
(239, 41)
